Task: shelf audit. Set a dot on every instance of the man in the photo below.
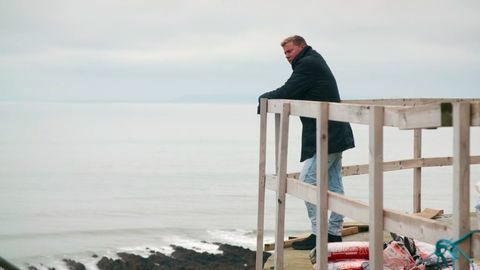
(312, 80)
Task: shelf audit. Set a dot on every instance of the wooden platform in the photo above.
(299, 259)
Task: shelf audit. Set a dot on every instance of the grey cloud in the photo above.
(206, 49)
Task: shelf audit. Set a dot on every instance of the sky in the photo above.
(229, 51)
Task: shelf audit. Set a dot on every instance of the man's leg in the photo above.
(309, 175)
(335, 184)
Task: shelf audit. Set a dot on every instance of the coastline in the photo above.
(229, 257)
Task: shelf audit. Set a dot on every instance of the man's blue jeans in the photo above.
(309, 175)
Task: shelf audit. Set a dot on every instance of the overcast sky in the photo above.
(228, 51)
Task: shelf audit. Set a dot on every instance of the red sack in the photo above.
(347, 250)
(355, 264)
(397, 257)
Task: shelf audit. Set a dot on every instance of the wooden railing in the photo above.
(414, 114)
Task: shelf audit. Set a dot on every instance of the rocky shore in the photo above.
(232, 257)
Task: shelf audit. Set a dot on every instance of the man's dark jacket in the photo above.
(312, 80)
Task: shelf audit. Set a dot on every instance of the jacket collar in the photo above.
(300, 55)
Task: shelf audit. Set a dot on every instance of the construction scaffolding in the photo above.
(405, 114)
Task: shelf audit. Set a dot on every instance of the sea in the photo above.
(82, 180)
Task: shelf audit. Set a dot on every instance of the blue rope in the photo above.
(442, 246)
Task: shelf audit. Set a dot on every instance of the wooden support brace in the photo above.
(261, 184)
(322, 186)
(376, 188)
(461, 179)
(417, 172)
(282, 186)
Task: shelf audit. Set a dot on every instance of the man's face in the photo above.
(291, 50)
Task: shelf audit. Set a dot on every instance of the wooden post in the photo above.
(322, 187)
(277, 140)
(376, 188)
(282, 186)
(417, 172)
(261, 184)
(461, 179)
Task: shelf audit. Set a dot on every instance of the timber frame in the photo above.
(405, 114)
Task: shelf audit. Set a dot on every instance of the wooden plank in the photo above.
(429, 213)
(376, 188)
(277, 139)
(282, 185)
(417, 172)
(426, 230)
(461, 178)
(405, 164)
(286, 243)
(297, 107)
(352, 113)
(322, 186)
(407, 101)
(261, 184)
(398, 165)
(362, 227)
(405, 114)
(426, 116)
(349, 231)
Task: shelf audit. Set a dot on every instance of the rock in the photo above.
(73, 265)
(233, 258)
(109, 264)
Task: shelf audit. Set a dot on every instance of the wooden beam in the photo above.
(349, 231)
(282, 186)
(429, 213)
(426, 116)
(322, 187)
(407, 101)
(286, 243)
(398, 165)
(404, 164)
(277, 139)
(261, 184)
(376, 188)
(404, 114)
(417, 172)
(461, 179)
(420, 228)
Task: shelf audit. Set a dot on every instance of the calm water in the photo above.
(84, 178)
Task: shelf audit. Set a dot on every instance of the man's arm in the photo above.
(295, 87)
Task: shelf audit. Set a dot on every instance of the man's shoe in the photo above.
(311, 241)
(334, 238)
(305, 244)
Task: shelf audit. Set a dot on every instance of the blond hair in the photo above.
(296, 40)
